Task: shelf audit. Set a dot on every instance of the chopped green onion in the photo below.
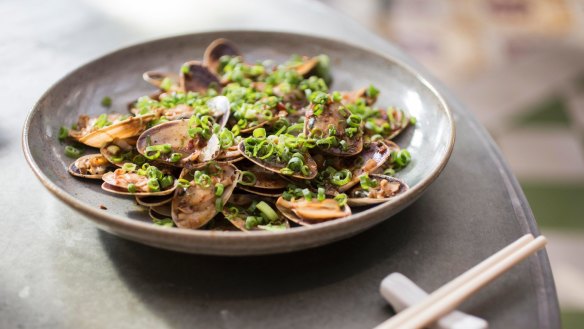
(153, 152)
(247, 178)
(235, 130)
(341, 199)
(367, 182)
(307, 194)
(72, 152)
(219, 188)
(318, 97)
(265, 209)
(63, 133)
(259, 133)
(113, 149)
(403, 158)
(153, 172)
(341, 177)
(372, 91)
(252, 206)
(226, 138)
(101, 121)
(106, 101)
(166, 181)
(376, 138)
(139, 159)
(132, 188)
(413, 120)
(286, 171)
(251, 222)
(337, 96)
(305, 170)
(219, 204)
(351, 131)
(166, 84)
(273, 228)
(389, 172)
(165, 222)
(185, 69)
(115, 159)
(183, 183)
(153, 185)
(354, 120)
(129, 167)
(321, 194)
(295, 164)
(202, 179)
(175, 157)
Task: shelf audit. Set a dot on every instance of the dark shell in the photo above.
(193, 207)
(75, 170)
(217, 49)
(198, 78)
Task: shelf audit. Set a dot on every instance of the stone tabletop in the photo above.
(57, 270)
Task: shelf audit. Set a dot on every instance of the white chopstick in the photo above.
(449, 296)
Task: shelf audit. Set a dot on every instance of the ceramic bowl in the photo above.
(119, 76)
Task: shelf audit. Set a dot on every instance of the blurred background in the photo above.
(519, 66)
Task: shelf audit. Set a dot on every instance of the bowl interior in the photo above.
(119, 76)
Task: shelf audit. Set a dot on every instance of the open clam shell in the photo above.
(198, 78)
(217, 49)
(118, 181)
(92, 166)
(334, 115)
(277, 167)
(237, 210)
(306, 213)
(127, 128)
(196, 205)
(387, 188)
(175, 134)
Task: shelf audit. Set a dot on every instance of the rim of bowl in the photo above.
(123, 223)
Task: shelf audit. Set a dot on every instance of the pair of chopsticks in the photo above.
(448, 297)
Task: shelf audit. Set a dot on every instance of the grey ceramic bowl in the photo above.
(118, 75)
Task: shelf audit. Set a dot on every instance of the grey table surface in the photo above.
(58, 271)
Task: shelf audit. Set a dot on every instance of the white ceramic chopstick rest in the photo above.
(402, 293)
